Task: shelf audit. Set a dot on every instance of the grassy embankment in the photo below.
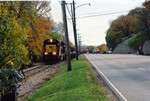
(76, 85)
(137, 40)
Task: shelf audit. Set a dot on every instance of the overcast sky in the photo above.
(93, 29)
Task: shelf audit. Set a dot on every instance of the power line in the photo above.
(102, 14)
(59, 1)
(66, 15)
(69, 11)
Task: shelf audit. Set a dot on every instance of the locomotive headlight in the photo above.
(51, 40)
(45, 53)
(54, 53)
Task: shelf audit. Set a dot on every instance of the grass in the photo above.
(76, 85)
(137, 40)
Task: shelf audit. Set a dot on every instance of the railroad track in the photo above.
(34, 70)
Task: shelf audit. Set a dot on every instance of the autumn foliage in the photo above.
(37, 36)
(136, 21)
(24, 25)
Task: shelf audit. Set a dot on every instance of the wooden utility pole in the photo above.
(66, 35)
(75, 30)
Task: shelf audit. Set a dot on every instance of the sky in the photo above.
(92, 30)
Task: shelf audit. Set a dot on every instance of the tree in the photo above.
(136, 21)
(103, 47)
(41, 29)
(136, 11)
(144, 21)
(38, 35)
(146, 4)
(120, 28)
(90, 48)
(29, 25)
(12, 37)
(143, 16)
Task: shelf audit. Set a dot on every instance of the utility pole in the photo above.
(66, 35)
(75, 31)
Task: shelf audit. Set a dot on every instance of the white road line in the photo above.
(108, 80)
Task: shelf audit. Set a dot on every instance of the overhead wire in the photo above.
(100, 12)
(69, 13)
(87, 16)
(67, 10)
(59, 1)
(103, 14)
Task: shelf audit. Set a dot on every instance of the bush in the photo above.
(9, 79)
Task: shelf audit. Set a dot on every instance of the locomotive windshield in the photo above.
(51, 42)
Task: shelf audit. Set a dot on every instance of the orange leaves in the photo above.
(41, 28)
(43, 25)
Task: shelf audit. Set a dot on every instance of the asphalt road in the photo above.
(128, 74)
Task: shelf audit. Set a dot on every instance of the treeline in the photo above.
(135, 21)
(99, 48)
(24, 25)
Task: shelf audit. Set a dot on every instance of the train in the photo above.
(54, 50)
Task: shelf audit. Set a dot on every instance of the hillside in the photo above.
(137, 40)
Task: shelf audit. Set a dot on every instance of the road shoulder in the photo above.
(101, 81)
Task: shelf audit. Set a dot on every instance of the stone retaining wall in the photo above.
(146, 48)
(123, 48)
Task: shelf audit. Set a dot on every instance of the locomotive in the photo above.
(54, 50)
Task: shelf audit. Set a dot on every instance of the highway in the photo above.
(128, 75)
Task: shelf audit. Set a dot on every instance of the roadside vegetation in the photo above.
(135, 22)
(137, 40)
(24, 25)
(76, 85)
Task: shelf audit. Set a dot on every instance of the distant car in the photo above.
(109, 52)
(90, 51)
(98, 51)
(104, 52)
(94, 51)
